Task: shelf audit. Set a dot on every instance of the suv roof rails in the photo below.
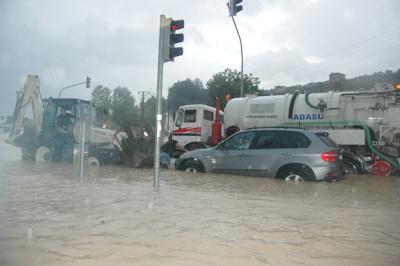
(277, 127)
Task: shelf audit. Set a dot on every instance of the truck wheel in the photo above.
(93, 161)
(350, 168)
(43, 154)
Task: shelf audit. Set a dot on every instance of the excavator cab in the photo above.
(64, 112)
(56, 139)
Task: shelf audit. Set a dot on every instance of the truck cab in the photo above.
(193, 123)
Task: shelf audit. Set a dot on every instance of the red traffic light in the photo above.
(177, 25)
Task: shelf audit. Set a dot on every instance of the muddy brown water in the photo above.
(115, 217)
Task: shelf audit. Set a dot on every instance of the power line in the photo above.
(359, 59)
(357, 44)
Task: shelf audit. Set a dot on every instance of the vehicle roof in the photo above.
(65, 100)
(206, 107)
(277, 128)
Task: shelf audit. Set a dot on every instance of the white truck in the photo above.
(193, 125)
(366, 124)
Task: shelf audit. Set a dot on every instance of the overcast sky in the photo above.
(115, 42)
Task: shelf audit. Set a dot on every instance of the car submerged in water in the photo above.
(283, 153)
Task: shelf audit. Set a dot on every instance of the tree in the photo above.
(228, 82)
(187, 92)
(150, 109)
(124, 111)
(101, 99)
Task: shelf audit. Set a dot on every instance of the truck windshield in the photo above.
(179, 118)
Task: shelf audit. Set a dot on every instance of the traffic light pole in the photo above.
(156, 181)
(241, 56)
(166, 53)
(77, 84)
(87, 82)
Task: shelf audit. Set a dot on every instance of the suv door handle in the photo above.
(243, 155)
(286, 154)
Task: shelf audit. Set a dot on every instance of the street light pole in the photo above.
(234, 7)
(241, 56)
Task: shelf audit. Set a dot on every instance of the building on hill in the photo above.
(337, 77)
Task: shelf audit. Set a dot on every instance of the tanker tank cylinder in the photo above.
(322, 106)
(374, 122)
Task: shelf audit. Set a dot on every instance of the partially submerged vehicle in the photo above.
(55, 131)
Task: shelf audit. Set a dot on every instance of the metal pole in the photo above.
(143, 93)
(241, 56)
(70, 87)
(83, 132)
(156, 182)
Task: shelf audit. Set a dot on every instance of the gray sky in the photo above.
(116, 42)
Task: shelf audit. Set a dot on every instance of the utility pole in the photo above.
(143, 93)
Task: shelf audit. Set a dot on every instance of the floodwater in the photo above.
(115, 217)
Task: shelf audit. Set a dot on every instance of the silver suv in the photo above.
(285, 153)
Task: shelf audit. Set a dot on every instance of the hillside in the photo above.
(338, 82)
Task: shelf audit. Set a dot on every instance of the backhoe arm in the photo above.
(28, 95)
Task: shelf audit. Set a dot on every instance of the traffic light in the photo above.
(234, 7)
(171, 38)
(87, 82)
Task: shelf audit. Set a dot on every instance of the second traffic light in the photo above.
(88, 82)
(171, 38)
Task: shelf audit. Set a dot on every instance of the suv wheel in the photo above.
(295, 177)
(297, 173)
(193, 167)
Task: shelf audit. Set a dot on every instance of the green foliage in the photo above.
(228, 82)
(187, 92)
(150, 109)
(101, 99)
(124, 111)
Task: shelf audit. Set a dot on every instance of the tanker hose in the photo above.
(308, 102)
(392, 161)
(291, 106)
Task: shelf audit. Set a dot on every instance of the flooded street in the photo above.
(115, 217)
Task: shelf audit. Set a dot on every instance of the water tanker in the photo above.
(365, 124)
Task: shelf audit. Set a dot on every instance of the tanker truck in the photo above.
(366, 124)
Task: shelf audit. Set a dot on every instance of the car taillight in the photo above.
(330, 156)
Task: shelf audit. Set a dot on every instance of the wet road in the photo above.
(115, 217)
